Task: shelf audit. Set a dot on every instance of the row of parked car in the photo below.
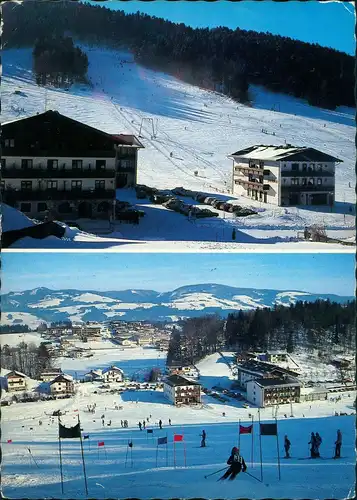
(169, 201)
(214, 202)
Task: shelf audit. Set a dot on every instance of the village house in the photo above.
(254, 369)
(113, 374)
(88, 333)
(272, 391)
(54, 166)
(50, 374)
(62, 385)
(93, 375)
(188, 371)
(182, 391)
(16, 381)
(284, 175)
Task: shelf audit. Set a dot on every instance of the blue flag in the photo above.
(150, 431)
(85, 436)
(162, 440)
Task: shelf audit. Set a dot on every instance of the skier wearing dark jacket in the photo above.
(236, 464)
(287, 447)
(313, 449)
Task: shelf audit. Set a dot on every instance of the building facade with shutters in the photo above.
(16, 381)
(62, 385)
(55, 167)
(272, 391)
(182, 391)
(284, 175)
(113, 374)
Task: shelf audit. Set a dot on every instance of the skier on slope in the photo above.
(160, 424)
(236, 464)
(140, 425)
(287, 447)
(313, 448)
(338, 444)
(203, 441)
(318, 444)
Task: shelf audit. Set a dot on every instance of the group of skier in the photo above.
(142, 425)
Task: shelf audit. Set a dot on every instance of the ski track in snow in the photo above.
(200, 128)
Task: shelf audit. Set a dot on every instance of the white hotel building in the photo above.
(284, 175)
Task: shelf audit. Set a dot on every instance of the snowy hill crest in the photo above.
(136, 305)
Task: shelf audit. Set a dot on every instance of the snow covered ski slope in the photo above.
(185, 130)
(114, 474)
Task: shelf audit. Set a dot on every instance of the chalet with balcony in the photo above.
(284, 175)
(113, 374)
(51, 374)
(62, 385)
(182, 391)
(54, 166)
(189, 371)
(16, 381)
(272, 391)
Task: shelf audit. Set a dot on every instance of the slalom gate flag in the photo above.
(69, 432)
(130, 444)
(9, 440)
(85, 436)
(162, 440)
(268, 429)
(245, 430)
(100, 443)
(178, 437)
(150, 431)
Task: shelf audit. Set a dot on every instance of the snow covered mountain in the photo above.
(42, 304)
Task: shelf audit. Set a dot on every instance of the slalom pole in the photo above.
(167, 452)
(261, 454)
(252, 437)
(239, 433)
(84, 465)
(157, 449)
(60, 454)
(126, 456)
(277, 446)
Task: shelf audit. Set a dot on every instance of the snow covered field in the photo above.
(110, 477)
(200, 128)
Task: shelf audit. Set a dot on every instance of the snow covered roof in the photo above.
(115, 368)
(15, 373)
(271, 382)
(130, 139)
(285, 152)
(260, 367)
(61, 378)
(177, 380)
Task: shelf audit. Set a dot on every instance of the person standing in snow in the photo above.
(318, 443)
(287, 447)
(160, 424)
(203, 441)
(338, 444)
(236, 464)
(144, 423)
(140, 425)
(313, 448)
(169, 421)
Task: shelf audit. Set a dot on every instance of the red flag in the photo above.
(75, 410)
(100, 443)
(9, 440)
(245, 430)
(178, 437)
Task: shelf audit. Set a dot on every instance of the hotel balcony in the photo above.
(252, 184)
(58, 173)
(57, 194)
(307, 188)
(293, 173)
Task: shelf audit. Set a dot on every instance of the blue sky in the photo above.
(329, 24)
(316, 273)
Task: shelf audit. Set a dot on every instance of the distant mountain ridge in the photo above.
(49, 305)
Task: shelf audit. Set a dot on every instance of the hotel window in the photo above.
(304, 167)
(99, 184)
(311, 182)
(319, 182)
(52, 185)
(25, 163)
(25, 207)
(3, 163)
(9, 143)
(295, 167)
(319, 167)
(77, 164)
(76, 185)
(311, 167)
(26, 185)
(52, 164)
(294, 181)
(100, 164)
